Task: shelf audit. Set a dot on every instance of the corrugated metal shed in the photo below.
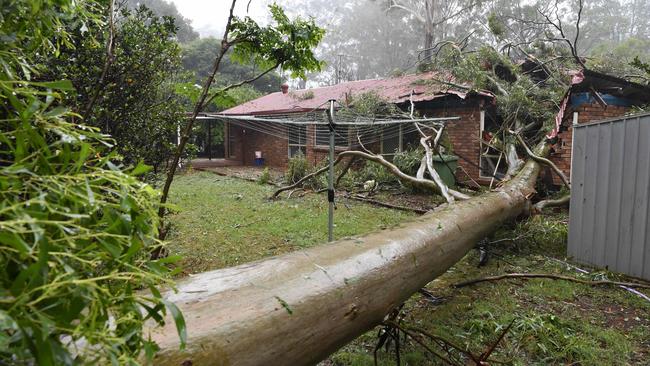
(609, 222)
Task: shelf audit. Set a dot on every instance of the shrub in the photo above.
(76, 229)
(409, 160)
(373, 171)
(265, 178)
(296, 168)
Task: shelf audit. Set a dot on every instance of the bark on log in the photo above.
(298, 308)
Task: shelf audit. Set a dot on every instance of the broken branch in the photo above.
(562, 201)
(549, 276)
(545, 161)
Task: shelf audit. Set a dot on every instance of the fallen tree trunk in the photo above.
(298, 308)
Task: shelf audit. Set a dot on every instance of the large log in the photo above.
(298, 308)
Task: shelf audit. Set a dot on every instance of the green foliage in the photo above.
(520, 99)
(265, 178)
(369, 104)
(623, 59)
(136, 105)
(297, 168)
(409, 160)
(184, 31)
(496, 26)
(75, 227)
(286, 42)
(373, 171)
(198, 59)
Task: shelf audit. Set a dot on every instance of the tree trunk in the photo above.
(298, 308)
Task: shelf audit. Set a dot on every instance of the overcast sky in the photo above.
(209, 16)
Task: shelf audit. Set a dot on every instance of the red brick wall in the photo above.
(464, 137)
(561, 154)
(274, 149)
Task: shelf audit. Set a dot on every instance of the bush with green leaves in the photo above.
(409, 160)
(265, 178)
(373, 171)
(76, 228)
(137, 104)
(297, 168)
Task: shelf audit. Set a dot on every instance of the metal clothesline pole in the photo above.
(330, 175)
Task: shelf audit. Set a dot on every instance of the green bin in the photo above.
(446, 168)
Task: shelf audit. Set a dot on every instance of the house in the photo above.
(593, 96)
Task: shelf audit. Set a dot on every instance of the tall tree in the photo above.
(184, 33)
(129, 94)
(435, 16)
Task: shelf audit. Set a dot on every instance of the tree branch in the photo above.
(542, 160)
(562, 201)
(236, 85)
(549, 276)
(107, 62)
(225, 45)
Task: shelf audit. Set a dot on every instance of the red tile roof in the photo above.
(425, 87)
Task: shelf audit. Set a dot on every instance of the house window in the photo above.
(398, 138)
(391, 140)
(341, 137)
(492, 163)
(297, 139)
(231, 140)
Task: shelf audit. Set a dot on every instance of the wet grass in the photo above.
(225, 221)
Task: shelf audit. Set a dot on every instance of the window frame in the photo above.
(302, 142)
(325, 128)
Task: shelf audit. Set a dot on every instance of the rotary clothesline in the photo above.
(293, 127)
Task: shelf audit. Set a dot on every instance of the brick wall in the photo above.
(463, 135)
(274, 149)
(561, 154)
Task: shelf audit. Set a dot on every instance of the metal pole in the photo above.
(209, 140)
(330, 176)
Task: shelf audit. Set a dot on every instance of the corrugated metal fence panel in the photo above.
(609, 222)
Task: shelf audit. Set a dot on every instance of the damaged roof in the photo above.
(425, 87)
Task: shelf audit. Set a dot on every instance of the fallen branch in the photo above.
(305, 178)
(346, 168)
(427, 162)
(387, 205)
(562, 201)
(550, 276)
(425, 184)
(545, 161)
(405, 178)
(222, 174)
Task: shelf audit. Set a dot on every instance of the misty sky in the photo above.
(209, 16)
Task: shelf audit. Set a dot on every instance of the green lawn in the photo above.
(225, 221)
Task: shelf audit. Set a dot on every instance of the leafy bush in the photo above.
(373, 171)
(296, 168)
(75, 228)
(409, 160)
(137, 104)
(265, 178)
